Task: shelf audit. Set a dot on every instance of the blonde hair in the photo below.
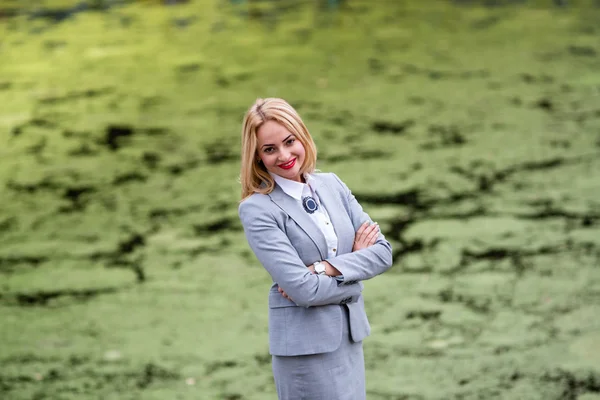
(254, 177)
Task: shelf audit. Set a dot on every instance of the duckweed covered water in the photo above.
(469, 130)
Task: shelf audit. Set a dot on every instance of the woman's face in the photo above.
(280, 151)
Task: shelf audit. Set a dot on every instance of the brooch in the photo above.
(310, 205)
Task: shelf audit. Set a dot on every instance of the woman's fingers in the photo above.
(362, 232)
(284, 294)
(366, 235)
(368, 232)
(372, 238)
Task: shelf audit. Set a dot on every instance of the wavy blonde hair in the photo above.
(254, 177)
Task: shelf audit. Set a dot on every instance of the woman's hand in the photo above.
(284, 294)
(330, 270)
(366, 236)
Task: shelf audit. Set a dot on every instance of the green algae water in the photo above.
(469, 130)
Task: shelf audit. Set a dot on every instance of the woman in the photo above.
(316, 242)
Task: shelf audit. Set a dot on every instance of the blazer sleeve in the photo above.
(275, 252)
(365, 263)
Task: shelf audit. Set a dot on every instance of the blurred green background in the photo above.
(470, 130)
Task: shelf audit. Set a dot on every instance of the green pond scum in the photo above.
(470, 130)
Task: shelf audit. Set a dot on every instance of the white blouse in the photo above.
(298, 191)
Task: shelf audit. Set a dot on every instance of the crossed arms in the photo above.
(275, 252)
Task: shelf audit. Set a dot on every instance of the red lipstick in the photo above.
(288, 165)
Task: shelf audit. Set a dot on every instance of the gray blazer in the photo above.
(285, 240)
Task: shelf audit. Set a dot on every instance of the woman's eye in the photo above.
(268, 149)
(291, 141)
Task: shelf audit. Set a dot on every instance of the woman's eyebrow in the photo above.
(283, 141)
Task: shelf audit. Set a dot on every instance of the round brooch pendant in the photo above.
(310, 205)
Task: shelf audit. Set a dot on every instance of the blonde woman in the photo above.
(314, 239)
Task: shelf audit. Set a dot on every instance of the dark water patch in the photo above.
(371, 154)
(215, 366)
(75, 195)
(582, 116)
(154, 131)
(32, 188)
(416, 100)
(573, 385)
(184, 22)
(129, 177)
(179, 168)
(158, 213)
(35, 122)
(76, 95)
(487, 180)
(218, 152)
(423, 315)
(130, 244)
(582, 51)
(362, 154)
(490, 254)
(533, 79)
(478, 211)
(410, 198)
(342, 118)
(115, 134)
(56, 15)
(544, 104)
(486, 22)
(445, 136)
(407, 247)
(151, 102)
(263, 359)
(439, 74)
(8, 224)
(83, 150)
(9, 264)
(42, 298)
(54, 44)
(69, 134)
(516, 101)
(477, 305)
(376, 66)
(30, 358)
(307, 105)
(396, 128)
(516, 256)
(188, 68)
(124, 256)
(151, 159)
(6, 12)
(220, 225)
(551, 212)
(563, 144)
(152, 373)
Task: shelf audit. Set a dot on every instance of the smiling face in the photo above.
(280, 151)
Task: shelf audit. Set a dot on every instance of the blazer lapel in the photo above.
(337, 214)
(301, 217)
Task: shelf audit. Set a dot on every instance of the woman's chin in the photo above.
(292, 175)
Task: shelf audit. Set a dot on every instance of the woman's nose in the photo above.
(284, 155)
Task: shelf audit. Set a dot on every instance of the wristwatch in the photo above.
(319, 268)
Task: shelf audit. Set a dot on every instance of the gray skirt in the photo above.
(339, 375)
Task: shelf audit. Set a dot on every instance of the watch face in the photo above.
(319, 268)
